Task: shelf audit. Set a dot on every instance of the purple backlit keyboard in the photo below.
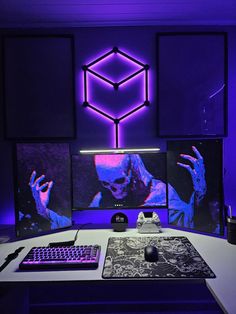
(76, 257)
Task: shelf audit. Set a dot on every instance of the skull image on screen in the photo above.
(114, 174)
(126, 182)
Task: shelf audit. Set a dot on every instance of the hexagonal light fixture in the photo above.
(141, 68)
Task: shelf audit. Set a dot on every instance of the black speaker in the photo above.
(231, 229)
(119, 222)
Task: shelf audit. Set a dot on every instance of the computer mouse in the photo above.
(151, 253)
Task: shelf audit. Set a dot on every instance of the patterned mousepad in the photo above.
(177, 259)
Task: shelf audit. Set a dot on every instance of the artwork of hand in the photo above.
(41, 193)
(197, 172)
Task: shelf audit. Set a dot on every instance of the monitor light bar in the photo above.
(120, 150)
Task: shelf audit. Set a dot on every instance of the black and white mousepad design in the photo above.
(177, 259)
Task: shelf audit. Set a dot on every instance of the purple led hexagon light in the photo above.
(141, 68)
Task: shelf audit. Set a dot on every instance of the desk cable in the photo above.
(72, 242)
(10, 257)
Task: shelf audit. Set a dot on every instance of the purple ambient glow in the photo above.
(97, 70)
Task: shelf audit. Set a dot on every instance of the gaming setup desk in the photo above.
(146, 268)
(96, 287)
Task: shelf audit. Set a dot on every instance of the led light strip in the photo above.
(116, 120)
(119, 150)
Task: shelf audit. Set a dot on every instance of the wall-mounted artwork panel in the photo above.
(42, 187)
(192, 84)
(39, 87)
(195, 190)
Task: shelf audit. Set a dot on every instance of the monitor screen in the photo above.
(43, 188)
(119, 181)
(195, 190)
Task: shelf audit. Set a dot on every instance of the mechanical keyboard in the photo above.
(76, 257)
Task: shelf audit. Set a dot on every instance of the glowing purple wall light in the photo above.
(89, 72)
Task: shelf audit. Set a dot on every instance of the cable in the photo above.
(10, 257)
(69, 243)
(81, 227)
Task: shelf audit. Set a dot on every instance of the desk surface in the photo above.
(217, 252)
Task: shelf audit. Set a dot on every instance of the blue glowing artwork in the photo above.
(119, 181)
(43, 200)
(194, 170)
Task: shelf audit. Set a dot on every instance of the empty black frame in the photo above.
(192, 84)
(39, 86)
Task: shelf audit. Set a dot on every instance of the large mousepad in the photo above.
(177, 258)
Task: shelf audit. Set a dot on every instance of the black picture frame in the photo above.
(192, 83)
(39, 87)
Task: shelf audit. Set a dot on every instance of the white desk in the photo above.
(217, 252)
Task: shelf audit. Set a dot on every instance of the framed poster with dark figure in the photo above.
(195, 185)
(192, 84)
(42, 188)
(39, 87)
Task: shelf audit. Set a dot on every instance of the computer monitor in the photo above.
(42, 188)
(119, 181)
(195, 191)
